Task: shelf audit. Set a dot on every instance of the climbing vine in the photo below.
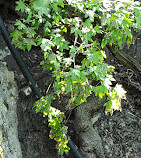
(73, 34)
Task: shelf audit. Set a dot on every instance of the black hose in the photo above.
(73, 149)
(27, 74)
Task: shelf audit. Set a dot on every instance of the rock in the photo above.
(9, 142)
(26, 90)
(95, 118)
(85, 116)
(1, 150)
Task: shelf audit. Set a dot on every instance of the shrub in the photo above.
(73, 35)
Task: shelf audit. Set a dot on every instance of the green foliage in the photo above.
(73, 35)
(58, 131)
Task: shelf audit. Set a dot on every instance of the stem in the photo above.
(75, 41)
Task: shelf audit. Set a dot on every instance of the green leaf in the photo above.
(128, 21)
(69, 87)
(87, 23)
(20, 25)
(83, 76)
(20, 5)
(98, 29)
(16, 34)
(29, 47)
(61, 5)
(76, 31)
(124, 38)
(101, 91)
(46, 44)
(104, 43)
(64, 29)
(73, 50)
(76, 72)
(101, 71)
(42, 7)
(79, 100)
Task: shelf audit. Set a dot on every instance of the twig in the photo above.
(75, 41)
(133, 115)
(48, 88)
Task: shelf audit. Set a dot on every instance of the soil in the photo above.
(120, 133)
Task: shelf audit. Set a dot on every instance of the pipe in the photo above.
(27, 74)
(73, 148)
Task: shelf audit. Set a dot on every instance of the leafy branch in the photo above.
(73, 35)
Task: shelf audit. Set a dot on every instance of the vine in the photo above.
(73, 34)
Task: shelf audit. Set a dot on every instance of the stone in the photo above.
(9, 142)
(85, 116)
